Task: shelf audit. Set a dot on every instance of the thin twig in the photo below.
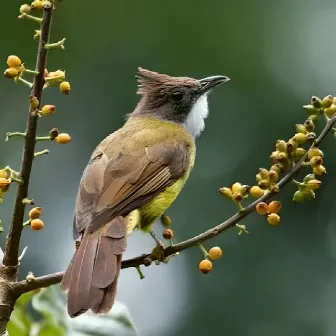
(51, 279)
(11, 252)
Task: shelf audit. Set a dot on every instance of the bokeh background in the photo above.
(275, 281)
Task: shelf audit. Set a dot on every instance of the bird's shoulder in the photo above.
(141, 132)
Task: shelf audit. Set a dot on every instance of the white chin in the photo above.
(195, 120)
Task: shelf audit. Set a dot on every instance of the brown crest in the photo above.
(152, 81)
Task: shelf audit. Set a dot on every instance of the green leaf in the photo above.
(116, 323)
(20, 323)
(46, 329)
(50, 304)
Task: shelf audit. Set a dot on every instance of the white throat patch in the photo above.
(195, 120)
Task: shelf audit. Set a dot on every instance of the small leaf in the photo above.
(116, 323)
(50, 305)
(46, 329)
(19, 323)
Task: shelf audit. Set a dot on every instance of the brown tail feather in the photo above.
(91, 278)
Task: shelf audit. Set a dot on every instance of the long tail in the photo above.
(92, 276)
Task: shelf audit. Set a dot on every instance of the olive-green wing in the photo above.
(111, 188)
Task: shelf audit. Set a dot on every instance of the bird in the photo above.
(132, 177)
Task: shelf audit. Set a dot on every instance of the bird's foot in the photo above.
(158, 250)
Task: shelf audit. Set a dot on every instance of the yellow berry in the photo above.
(256, 191)
(327, 101)
(319, 170)
(263, 173)
(63, 138)
(236, 187)
(277, 168)
(314, 151)
(309, 125)
(273, 176)
(37, 4)
(34, 102)
(215, 253)
(65, 87)
(11, 72)
(292, 145)
(226, 192)
(313, 184)
(205, 266)
(264, 184)
(300, 128)
(316, 161)
(237, 196)
(262, 208)
(300, 138)
(25, 9)
(35, 213)
(274, 206)
(168, 234)
(273, 219)
(36, 224)
(299, 152)
(13, 61)
(281, 145)
(330, 111)
(48, 109)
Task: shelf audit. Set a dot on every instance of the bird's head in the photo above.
(177, 99)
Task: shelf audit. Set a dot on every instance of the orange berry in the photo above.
(262, 208)
(215, 253)
(48, 109)
(35, 213)
(273, 219)
(36, 224)
(63, 138)
(274, 206)
(13, 61)
(65, 87)
(168, 234)
(205, 266)
(4, 182)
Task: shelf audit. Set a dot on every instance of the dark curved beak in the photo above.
(210, 82)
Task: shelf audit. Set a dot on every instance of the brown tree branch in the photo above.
(13, 240)
(145, 259)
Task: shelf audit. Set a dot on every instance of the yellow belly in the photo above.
(145, 217)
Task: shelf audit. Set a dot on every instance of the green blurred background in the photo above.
(275, 281)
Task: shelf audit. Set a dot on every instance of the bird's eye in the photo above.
(177, 96)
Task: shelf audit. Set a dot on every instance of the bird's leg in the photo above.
(158, 241)
(158, 251)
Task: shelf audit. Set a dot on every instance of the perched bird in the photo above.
(133, 176)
